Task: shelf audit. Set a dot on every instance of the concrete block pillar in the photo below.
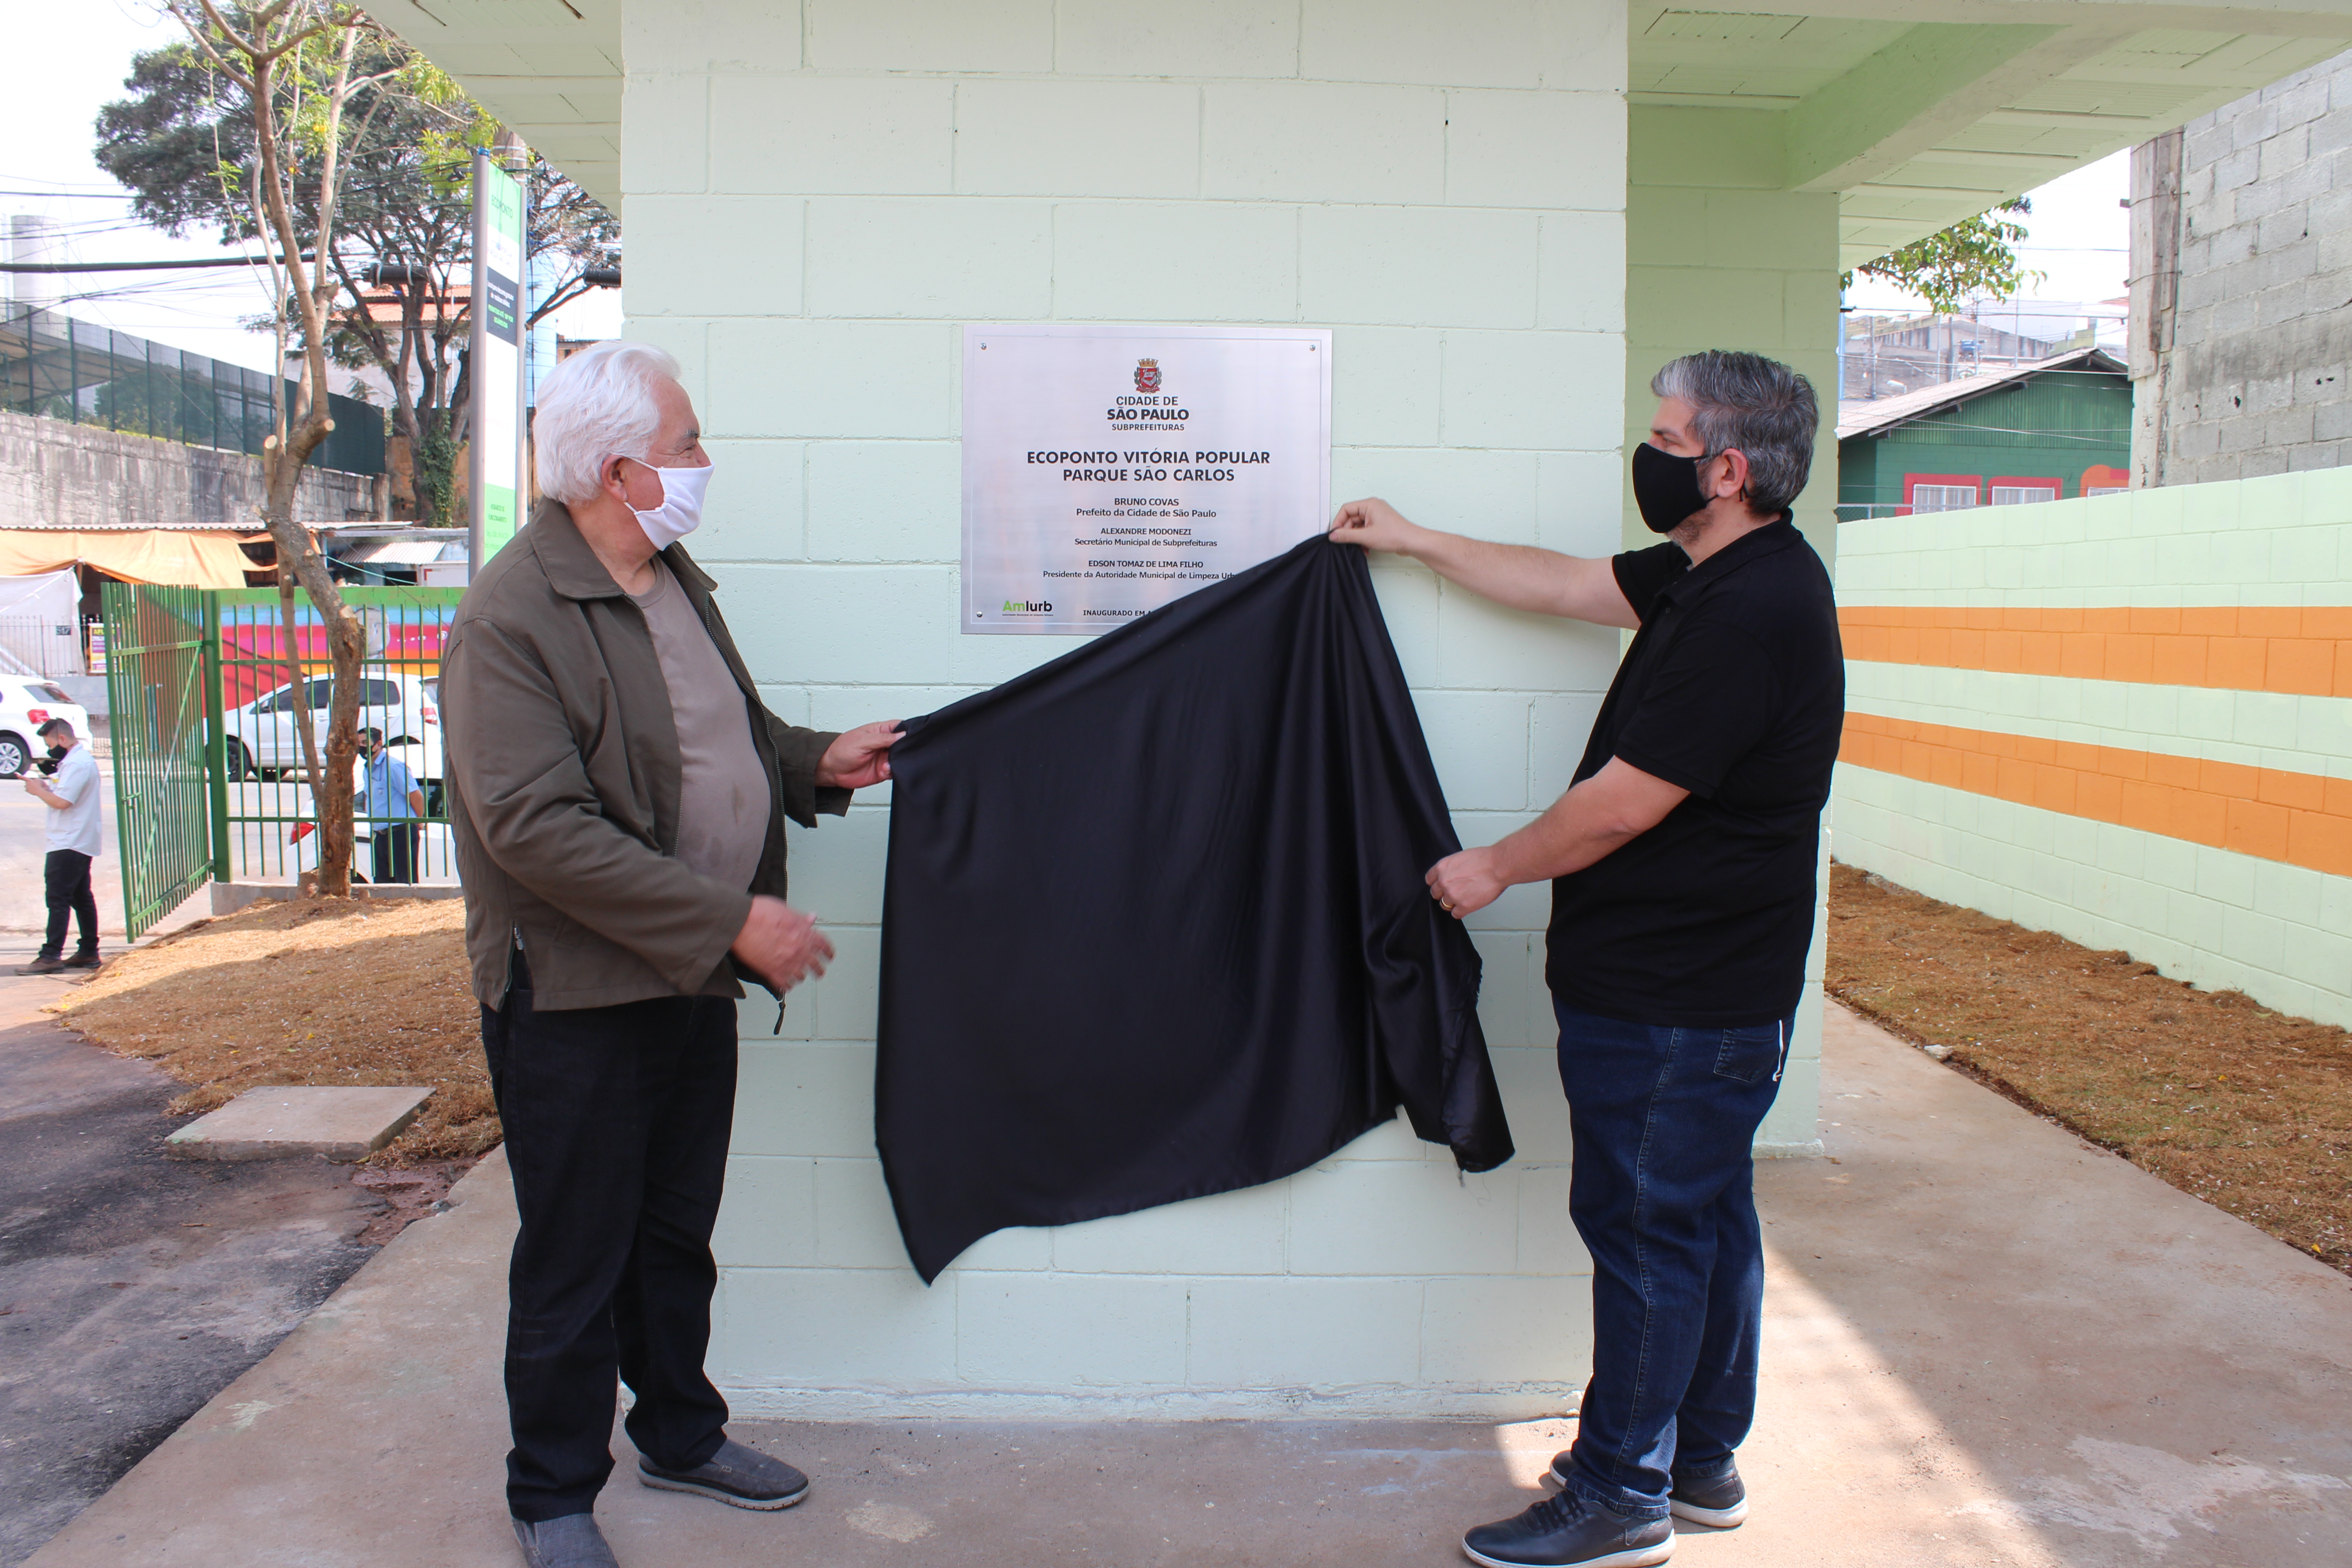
(1720, 254)
(817, 197)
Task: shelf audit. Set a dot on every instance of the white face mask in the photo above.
(681, 512)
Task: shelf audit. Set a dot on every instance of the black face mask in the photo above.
(56, 754)
(1666, 487)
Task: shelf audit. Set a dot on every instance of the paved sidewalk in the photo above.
(133, 1287)
(1987, 1344)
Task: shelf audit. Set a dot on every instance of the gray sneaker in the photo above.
(738, 1475)
(572, 1542)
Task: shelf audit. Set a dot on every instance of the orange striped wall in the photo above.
(2302, 819)
(2301, 652)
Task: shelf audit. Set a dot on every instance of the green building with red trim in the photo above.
(2050, 430)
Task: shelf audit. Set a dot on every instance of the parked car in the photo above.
(407, 708)
(28, 702)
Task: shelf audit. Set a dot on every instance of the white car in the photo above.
(28, 702)
(407, 708)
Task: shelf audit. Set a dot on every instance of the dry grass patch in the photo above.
(2247, 1109)
(313, 990)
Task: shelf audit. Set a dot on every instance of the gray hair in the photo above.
(595, 406)
(1757, 405)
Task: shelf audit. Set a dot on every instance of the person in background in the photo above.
(74, 797)
(618, 795)
(1682, 861)
(389, 804)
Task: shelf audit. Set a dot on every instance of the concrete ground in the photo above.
(132, 1288)
(1987, 1343)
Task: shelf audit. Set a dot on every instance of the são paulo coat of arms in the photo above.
(1147, 375)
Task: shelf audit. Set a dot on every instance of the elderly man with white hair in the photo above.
(618, 794)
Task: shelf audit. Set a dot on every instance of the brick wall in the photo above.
(2128, 720)
(2261, 374)
(1444, 188)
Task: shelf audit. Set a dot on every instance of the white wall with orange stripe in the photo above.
(2126, 719)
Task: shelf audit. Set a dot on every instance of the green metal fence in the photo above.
(162, 680)
(270, 815)
(209, 694)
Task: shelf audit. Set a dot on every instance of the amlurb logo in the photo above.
(1147, 375)
(1028, 607)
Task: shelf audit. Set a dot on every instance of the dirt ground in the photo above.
(2248, 1109)
(315, 991)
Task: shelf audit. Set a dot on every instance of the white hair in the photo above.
(597, 406)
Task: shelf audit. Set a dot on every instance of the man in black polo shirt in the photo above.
(1682, 862)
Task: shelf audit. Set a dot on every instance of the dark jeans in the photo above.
(394, 851)
(65, 878)
(1662, 1193)
(616, 1125)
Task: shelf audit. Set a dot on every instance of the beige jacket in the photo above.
(562, 774)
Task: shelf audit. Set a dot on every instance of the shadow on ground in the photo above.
(2082, 1364)
(1987, 1346)
(133, 1288)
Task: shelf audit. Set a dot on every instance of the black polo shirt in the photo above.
(1734, 688)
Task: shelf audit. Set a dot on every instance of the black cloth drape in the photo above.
(1155, 923)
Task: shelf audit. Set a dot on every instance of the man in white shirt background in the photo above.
(72, 794)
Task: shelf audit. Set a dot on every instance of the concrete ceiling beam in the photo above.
(2287, 18)
(1929, 85)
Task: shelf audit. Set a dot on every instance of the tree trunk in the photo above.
(330, 784)
(299, 694)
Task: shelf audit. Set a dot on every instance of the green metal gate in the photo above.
(206, 731)
(162, 686)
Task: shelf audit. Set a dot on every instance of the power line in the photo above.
(139, 266)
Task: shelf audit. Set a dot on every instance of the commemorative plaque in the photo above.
(1108, 470)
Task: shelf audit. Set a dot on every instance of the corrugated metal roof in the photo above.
(1887, 413)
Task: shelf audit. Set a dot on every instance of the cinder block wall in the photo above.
(2261, 378)
(2128, 720)
(1718, 255)
(816, 197)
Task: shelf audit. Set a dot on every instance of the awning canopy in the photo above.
(134, 555)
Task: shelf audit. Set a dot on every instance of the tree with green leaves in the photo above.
(1974, 258)
(289, 69)
(404, 226)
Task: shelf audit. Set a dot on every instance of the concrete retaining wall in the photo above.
(2128, 720)
(57, 474)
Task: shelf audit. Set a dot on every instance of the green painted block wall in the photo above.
(1718, 256)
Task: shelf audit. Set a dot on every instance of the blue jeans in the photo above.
(1662, 1192)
